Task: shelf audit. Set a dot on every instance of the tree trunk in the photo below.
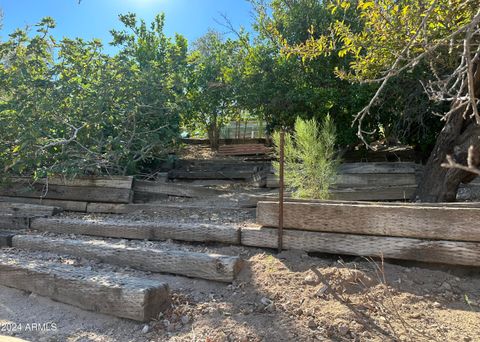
(440, 184)
(214, 135)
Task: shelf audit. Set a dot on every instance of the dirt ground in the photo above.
(290, 296)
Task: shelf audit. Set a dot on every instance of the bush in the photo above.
(310, 159)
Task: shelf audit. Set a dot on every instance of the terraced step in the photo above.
(106, 292)
(140, 230)
(182, 262)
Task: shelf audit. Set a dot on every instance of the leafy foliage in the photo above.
(412, 41)
(310, 158)
(211, 90)
(280, 87)
(66, 107)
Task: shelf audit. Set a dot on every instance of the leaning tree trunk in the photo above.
(440, 184)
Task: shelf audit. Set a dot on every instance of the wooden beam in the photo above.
(59, 192)
(109, 293)
(447, 252)
(200, 232)
(191, 264)
(365, 180)
(180, 190)
(179, 174)
(167, 210)
(77, 206)
(392, 193)
(6, 239)
(11, 222)
(442, 223)
(117, 182)
(27, 210)
(385, 167)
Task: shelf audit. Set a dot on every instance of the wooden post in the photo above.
(281, 190)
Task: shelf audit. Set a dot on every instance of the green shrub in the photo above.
(310, 158)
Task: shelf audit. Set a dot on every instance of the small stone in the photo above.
(185, 319)
(436, 305)
(446, 286)
(312, 325)
(342, 330)
(310, 279)
(265, 301)
(146, 329)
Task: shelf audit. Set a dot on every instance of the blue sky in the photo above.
(95, 18)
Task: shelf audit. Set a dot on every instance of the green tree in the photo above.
(211, 94)
(280, 88)
(310, 158)
(68, 108)
(394, 38)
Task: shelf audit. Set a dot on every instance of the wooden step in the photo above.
(78, 206)
(229, 174)
(171, 189)
(435, 251)
(6, 239)
(175, 261)
(27, 210)
(106, 292)
(9, 222)
(201, 232)
(71, 193)
(172, 211)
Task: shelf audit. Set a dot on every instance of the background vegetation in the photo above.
(68, 107)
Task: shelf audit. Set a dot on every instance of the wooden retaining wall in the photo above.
(82, 189)
(433, 233)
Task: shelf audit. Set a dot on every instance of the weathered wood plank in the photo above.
(11, 222)
(220, 164)
(385, 167)
(393, 193)
(117, 182)
(171, 189)
(59, 192)
(460, 224)
(198, 265)
(109, 293)
(369, 180)
(180, 174)
(374, 180)
(27, 210)
(6, 239)
(436, 251)
(158, 209)
(140, 230)
(78, 206)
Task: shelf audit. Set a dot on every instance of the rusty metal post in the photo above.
(281, 190)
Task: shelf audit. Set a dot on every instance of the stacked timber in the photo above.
(216, 169)
(14, 216)
(149, 191)
(384, 181)
(431, 233)
(69, 194)
(243, 150)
